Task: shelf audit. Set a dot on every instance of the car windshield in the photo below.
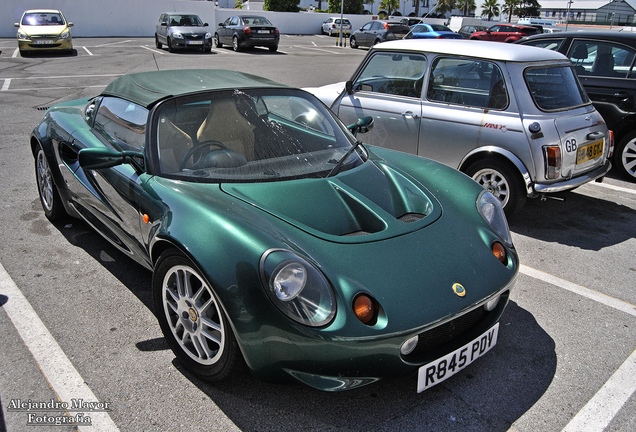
(555, 88)
(185, 21)
(253, 135)
(43, 19)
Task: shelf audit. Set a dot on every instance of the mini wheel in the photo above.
(501, 181)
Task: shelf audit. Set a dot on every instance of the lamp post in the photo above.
(567, 17)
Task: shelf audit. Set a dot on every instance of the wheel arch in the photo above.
(501, 156)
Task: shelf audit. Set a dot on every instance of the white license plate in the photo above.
(44, 42)
(195, 42)
(441, 369)
(262, 31)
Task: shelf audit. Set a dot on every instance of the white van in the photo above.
(536, 21)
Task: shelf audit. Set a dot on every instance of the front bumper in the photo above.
(574, 182)
(55, 45)
(186, 44)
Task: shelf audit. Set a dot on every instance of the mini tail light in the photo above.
(364, 308)
(552, 155)
(610, 143)
(499, 251)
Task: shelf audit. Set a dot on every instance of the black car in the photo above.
(246, 32)
(377, 31)
(468, 30)
(604, 62)
(182, 31)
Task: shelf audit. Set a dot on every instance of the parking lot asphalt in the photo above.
(565, 357)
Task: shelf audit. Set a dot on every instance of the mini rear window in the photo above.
(555, 88)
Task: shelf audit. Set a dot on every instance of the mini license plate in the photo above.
(195, 42)
(441, 369)
(588, 152)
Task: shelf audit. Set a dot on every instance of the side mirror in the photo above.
(70, 24)
(363, 125)
(99, 158)
(16, 24)
(349, 87)
(221, 24)
(205, 24)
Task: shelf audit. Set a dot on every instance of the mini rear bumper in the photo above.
(575, 182)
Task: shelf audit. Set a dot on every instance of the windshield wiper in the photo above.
(335, 170)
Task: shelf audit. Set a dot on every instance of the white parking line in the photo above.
(598, 413)
(15, 53)
(581, 290)
(6, 84)
(613, 187)
(113, 43)
(153, 50)
(86, 49)
(62, 376)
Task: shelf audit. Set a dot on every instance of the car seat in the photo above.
(604, 65)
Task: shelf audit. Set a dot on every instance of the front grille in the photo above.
(478, 319)
(193, 37)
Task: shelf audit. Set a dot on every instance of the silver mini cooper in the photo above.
(516, 120)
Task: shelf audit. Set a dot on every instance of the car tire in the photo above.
(170, 48)
(625, 156)
(49, 195)
(158, 44)
(192, 320)
(273, 48)
(501, 181)
(352, 42)
(236, 46)
(217, 41)
(375, 42)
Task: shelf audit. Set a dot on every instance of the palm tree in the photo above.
(390, 5)
(466, 6)
(443, 6)
(490, 8)
(509, 7)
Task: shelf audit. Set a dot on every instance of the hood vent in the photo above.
(411, 217)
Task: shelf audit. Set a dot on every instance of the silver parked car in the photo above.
(182, 31)
(331, 26)
(515, 120)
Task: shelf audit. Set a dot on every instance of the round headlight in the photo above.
(297, 288)
(490, 209)
(289, 281)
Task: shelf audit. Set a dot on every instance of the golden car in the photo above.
(44, 30)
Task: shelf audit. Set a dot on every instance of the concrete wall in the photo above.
(126, 18)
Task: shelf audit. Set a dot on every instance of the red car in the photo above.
(505, 33)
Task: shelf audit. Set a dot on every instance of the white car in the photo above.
(516, 120)
(332, 26)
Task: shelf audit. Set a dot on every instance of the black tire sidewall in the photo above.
(517, 196)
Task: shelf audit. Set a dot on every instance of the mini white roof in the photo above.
(472, 48)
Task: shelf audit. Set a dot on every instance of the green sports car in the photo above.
(275, 237)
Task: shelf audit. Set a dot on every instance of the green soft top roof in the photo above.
(148, 88)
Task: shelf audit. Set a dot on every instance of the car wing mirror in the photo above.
(70, 24)
(100, 158)
(349, 87)
(221, 24)
(205, 24)
(363, 125)
(16, 24)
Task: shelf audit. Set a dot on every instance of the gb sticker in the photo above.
(570, 145)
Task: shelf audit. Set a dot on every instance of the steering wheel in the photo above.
(198, 153)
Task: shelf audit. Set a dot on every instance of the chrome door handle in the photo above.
(410, 115)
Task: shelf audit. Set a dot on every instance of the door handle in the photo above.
(410, 115)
